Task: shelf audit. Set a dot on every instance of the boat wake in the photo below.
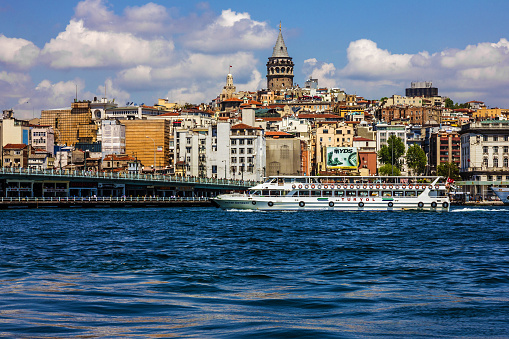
(474, 209)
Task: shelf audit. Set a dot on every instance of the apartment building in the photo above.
(485, 150)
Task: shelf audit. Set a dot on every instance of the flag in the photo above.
(450, 181)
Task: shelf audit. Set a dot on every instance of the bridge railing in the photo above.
(126, 176)
(102, 199)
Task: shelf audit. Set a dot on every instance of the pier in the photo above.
(96, 202)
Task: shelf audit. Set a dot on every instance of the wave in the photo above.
(475, 209)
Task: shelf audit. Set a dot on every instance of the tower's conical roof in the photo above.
(280, 48)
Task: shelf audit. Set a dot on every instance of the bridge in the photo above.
(26, 182)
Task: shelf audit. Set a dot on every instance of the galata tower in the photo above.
(279, 67)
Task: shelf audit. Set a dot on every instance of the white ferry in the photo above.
(339, 193)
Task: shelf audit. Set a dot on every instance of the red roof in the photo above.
(278, 134)
(270, 119)
(233, 100)
(361, 139)
(318, 116)
(169, 114)
(15, 146)
(244, 126)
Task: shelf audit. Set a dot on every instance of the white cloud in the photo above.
(79, 47)
(231, 32)
(112, 92)
(149, 18)
(324, 72)
(477, 72)
(59, 94)
(17, 53)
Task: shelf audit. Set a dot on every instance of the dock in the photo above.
(103, 202)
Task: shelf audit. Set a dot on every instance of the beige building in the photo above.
(148, 141)
(71, 125)
(283, 154)
(338, 134)
(15, 155)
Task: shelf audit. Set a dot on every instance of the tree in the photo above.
(416, 159)
(388, 169)
(449, 170)
(390, 153)
(449, 103)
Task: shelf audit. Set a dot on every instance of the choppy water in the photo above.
(211, 273)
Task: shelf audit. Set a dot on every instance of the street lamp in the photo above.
(154, 152)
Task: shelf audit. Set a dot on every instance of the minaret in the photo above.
(229, 89)
(279, 66)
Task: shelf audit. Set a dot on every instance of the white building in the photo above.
(384, 131)
(113, 137)
(43, 138)
(485, 150)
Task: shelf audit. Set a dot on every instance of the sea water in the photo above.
(204, 272)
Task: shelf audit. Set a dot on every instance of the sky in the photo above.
(139, 51)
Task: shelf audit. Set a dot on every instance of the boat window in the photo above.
(300, 180)
(316, 193)
(290, 193)
(410, 193)
(289, 180)
(265, 192)
(351, 193)
(363, 193)
(419, 192)
(256, 192)
(274, 193)
(339, 193)
(327, 193)
(303, 193)
(374, 193)
(387, 194)
(268, 180)
(398, 193)
(312, 180)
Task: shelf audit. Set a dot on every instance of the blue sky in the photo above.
(181, 50)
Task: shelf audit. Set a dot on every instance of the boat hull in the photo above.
(333, 204)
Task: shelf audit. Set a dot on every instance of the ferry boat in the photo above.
(341, 193)
(502, 193)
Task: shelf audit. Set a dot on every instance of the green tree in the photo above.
(390, 153)
(449, 103)
(416, 159)
(449, 170)
(388, 169)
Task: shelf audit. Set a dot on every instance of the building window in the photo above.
(249, 141)
(241, 141)
(495, 162)
(234, 160)
(234, 141)
(485, 162)
(485, 149)
(495, 138)
(234, 151)
(495, 149)
(249, 151)
(506, 162)
(506, 149)
(241, 150)
(485, 138)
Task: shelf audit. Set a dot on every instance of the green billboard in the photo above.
(342, 158)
